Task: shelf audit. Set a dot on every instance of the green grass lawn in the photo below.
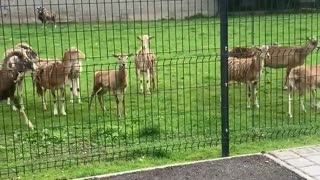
(183, 113)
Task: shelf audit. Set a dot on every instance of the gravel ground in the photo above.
(256, 167)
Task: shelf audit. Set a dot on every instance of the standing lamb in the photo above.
(248, 70)
(115, 81)
(53, 76)
(9, 78)
(145, 62)
(44, 15)
(303, 79)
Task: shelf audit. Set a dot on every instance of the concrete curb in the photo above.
(162, 167)
(280, 162)
(291, 168)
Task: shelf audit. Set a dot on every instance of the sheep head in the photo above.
(40, 10)
(122, 59)
(24, 63)
(31, 54)
(145, 40)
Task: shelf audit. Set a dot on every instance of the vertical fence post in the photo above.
(224, 77)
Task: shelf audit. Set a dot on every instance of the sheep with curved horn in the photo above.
(9, 78)
(11, 63)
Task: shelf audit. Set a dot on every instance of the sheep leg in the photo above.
(8, 101)
(117, 101)
(302, 105)
(285, 87)
(43, 96)
(19, 92)
(100, 98)
(147, 79)
(255, 92)
(55, 108)
(153, 76)
(26, 120)
(71, 82)
(140, 81)
(248, 95)
(78, 90)
(290, 103)
(314, 99)
(123, 104)
(91, 98)
(62, 101)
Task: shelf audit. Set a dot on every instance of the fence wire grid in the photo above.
(182, 111)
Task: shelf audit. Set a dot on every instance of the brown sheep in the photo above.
(115, 81)
(53, 76)
(303, 79)
(248, 70)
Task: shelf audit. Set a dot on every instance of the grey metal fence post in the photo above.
(224, 77)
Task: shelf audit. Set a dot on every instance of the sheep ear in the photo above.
(139, 38)
(115, 55)
(151, 37)
(131, 54)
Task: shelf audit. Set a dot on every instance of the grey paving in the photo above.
(304, 161)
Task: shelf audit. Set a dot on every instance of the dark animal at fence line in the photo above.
(53, 76)
(9, 78)
(145, 61)
(114, 81)
(248, 70)
(303, 79)
(11, 63)
(46, 16)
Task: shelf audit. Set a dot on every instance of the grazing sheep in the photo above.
(113, 80)
(44, 15)
(9, 78)
(248, 70)
(53, 76)
(303, 79)
(11, 62)
(145, 62)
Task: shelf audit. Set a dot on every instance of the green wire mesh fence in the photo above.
(105, 41)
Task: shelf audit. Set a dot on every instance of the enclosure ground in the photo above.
(246, 167)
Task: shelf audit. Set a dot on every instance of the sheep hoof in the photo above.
(148, 92)
(248, 106)
(55, 113)
(257, 106)
(285, 88)
(290, 115)
(71, 100)
(64, 113)
(14, 108)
